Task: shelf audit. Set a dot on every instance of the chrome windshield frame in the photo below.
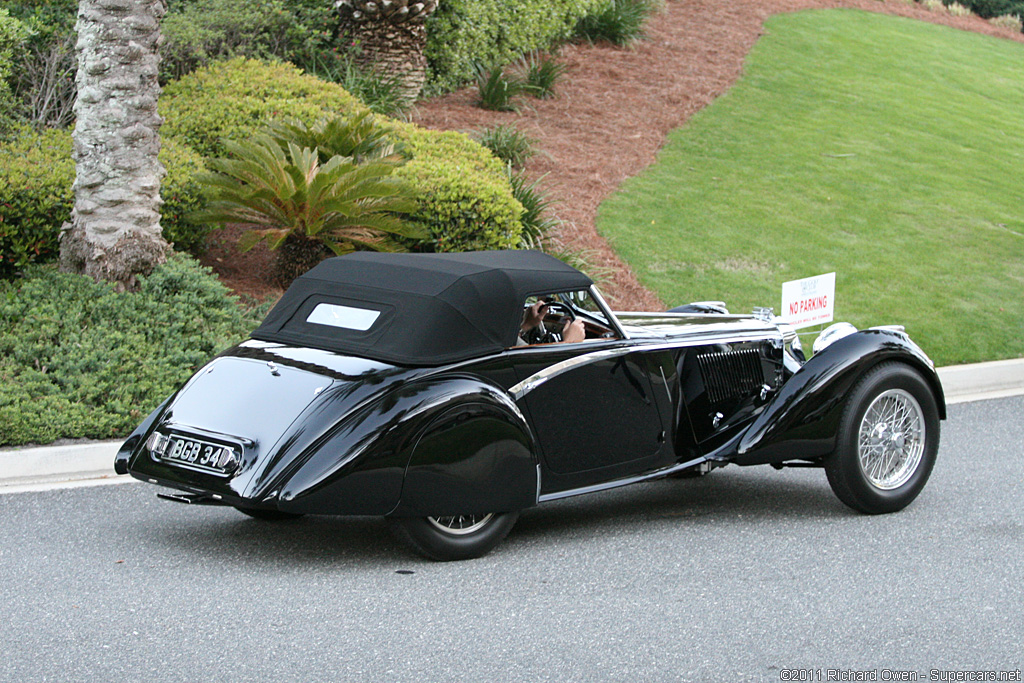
(603, 305)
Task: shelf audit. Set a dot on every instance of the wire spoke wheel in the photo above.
(453, 537)
(887, 442)
(891, 441)
(460, 525)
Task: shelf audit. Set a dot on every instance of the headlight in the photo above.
(831, 335)
(794, 350)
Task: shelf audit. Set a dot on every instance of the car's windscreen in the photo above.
(583, 302)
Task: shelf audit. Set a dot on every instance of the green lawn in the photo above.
(887, 150)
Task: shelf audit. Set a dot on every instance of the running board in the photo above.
(657, 474)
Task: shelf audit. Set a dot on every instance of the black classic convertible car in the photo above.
(448, 392)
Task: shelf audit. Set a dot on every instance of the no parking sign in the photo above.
(810, 301)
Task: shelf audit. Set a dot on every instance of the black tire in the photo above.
(888, 441)
(461, 537)
(269, 515)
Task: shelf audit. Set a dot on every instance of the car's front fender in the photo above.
(802, 421)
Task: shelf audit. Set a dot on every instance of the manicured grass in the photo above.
(884, 149)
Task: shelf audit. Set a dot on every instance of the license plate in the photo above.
(199, 455)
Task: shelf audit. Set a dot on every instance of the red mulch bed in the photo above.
(613, 110)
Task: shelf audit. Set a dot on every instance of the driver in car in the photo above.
(532, 329)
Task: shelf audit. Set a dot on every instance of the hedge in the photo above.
(494, 32)
(37, 172)
(465, 198)
(78, 359)
(231, 99)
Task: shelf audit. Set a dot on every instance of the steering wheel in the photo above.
(559, 308)
(567, 316)
(554, 308)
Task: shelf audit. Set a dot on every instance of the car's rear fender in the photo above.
(477, 455)
(359, 466)
(801, 422)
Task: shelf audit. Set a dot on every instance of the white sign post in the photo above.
(810, 301)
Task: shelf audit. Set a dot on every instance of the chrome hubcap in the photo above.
(460, 525)
(891, 439)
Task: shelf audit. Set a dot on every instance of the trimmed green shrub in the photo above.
(464, 196)
(78, 359)
(465, 199)
(36, 197)
(232, 99)
(202, 31)
(494, 32)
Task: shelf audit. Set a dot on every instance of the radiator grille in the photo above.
(731, 374)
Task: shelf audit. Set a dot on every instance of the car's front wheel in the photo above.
(455, 537)
(888, 440)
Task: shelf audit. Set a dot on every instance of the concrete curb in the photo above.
(980, 381)
(37, 469)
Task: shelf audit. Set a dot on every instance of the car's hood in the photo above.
(711, 326)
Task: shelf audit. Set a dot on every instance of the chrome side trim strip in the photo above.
(557, 495)
(521, 389)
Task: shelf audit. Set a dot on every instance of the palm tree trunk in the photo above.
(114, 232)
(391, 38)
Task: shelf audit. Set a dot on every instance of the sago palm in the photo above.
(358, 136)
(292, 201)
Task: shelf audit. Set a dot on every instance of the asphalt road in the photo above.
(742, 575)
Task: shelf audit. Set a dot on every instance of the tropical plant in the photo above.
(497, 92)
(536, 219)
(540, 73)
(507, 143)
(358, 136)
(619, 22)
(303, 207)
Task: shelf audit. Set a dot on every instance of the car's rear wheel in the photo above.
(268, 515)
(455, 537)
(888, 441)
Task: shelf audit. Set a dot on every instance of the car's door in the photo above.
(595, 414)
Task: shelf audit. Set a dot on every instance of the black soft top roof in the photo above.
(430, 309)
